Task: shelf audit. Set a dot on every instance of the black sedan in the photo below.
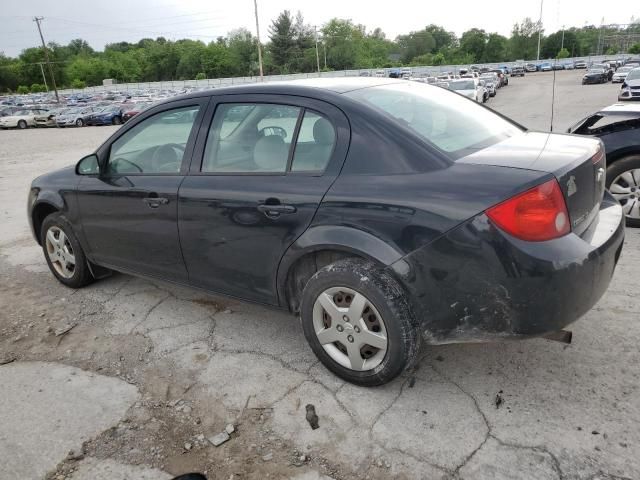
(595, 75)
(618, 126)
(340, 200)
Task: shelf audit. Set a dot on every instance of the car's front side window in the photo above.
(156, 145)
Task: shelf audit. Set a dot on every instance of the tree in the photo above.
(23, 89)
(473, 42)
(524, 39)
(201, 76)
(415, 44)
(496, 48)
(283, 42)
(635, 48)
(37, 87)
(563, 53)
(79, 84)
(243, 51)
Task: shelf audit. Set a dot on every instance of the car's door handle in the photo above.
(276, 210)
(155, 202)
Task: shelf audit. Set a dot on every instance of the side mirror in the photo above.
(89, 165)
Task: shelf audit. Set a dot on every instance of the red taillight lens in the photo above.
(536, 215)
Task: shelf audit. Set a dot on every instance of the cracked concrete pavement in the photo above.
(150, 370)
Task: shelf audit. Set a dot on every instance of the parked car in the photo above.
(75, 117)
(621, 74)
(594, 75)
(606, 67)
(580, 64)
(545, 67)
(109, 115)
(630, 88)
(355, 220)
(568, 66)
(21, 119)
(470, 88)
(7, 110)
(530, 67)
(48, 118)
(380, 73)
(517, 71)
(503, 79)
(618, 126)
(130, 111)
(490, 83)
(557, 66)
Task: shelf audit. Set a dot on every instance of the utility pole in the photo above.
(562, 42)
(324, 47)
(315, 29)
(43, 76)
(540, 29)
(46, 57)
(255, 4)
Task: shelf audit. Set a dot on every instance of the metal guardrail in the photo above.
(223, 82)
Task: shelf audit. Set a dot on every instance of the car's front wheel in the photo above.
(79, 123)
(22, 125)
(116, 121)
(63, 252)
(623, 181)
(359, 323)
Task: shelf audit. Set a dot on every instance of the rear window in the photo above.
(455, 125)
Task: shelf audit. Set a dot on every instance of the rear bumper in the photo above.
(477, 283)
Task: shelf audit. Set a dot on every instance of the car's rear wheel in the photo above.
(63, 252)
(359, 323)
(79, 123)
(623, 181)
(116, 121)
(22, 124)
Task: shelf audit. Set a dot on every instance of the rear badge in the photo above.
(571, 186)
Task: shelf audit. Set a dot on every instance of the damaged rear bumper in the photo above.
(477, 283)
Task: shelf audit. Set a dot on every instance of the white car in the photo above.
(471, 88)
(621, 74)
(21, 119)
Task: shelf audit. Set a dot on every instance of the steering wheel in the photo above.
(159, 160)
(272, 130)
(123, 162)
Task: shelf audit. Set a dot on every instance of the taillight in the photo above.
(536, 215)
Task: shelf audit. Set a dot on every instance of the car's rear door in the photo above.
(129, 211)
(261, 167)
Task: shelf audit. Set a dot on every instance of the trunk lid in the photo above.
(578, 163)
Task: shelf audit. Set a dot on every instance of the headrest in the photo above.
(323, 132)
(270, 154)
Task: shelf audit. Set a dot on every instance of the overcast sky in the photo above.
(101, 22)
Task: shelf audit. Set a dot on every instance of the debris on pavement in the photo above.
(64, 330)
(312, 418)
(412, 382)
(219, 439)
(499, 400)
(230, 429)
(7, 358)
(268, 457)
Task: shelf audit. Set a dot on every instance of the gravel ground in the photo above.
(130, 378)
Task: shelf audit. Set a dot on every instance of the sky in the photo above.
(102, 22)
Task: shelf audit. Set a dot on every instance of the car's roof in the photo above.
(308, 86)
(622, 108)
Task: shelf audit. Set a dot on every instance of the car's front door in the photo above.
(260, 170)
(129, 212)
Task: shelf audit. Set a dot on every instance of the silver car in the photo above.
(74, 117)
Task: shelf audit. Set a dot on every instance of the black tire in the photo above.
(388, 297)
(620, 166)
(22, 125)
(116, 121)
(79, 122)
(81, 273)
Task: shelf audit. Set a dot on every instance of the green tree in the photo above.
(473, 42)
(79, 84)
(563, 53)
(496, 48)
(243, 52)
(635, 48)
(524, 39)
(201, 76)
(23, 89)
(415, 44)
(282, 35)
(37, 87)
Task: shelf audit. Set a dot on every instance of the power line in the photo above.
(46, 56)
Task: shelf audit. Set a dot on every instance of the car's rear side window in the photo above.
(455, 125)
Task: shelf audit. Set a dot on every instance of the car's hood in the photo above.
(633, 83)
(64, 177)
(593, 74)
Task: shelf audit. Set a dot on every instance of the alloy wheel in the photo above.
(626, 189)
(350, 328)
(60, 252)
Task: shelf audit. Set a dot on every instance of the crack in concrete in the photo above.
(147, 314)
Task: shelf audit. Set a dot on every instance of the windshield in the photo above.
(462, 85)
(633, 74)
(452, 123)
